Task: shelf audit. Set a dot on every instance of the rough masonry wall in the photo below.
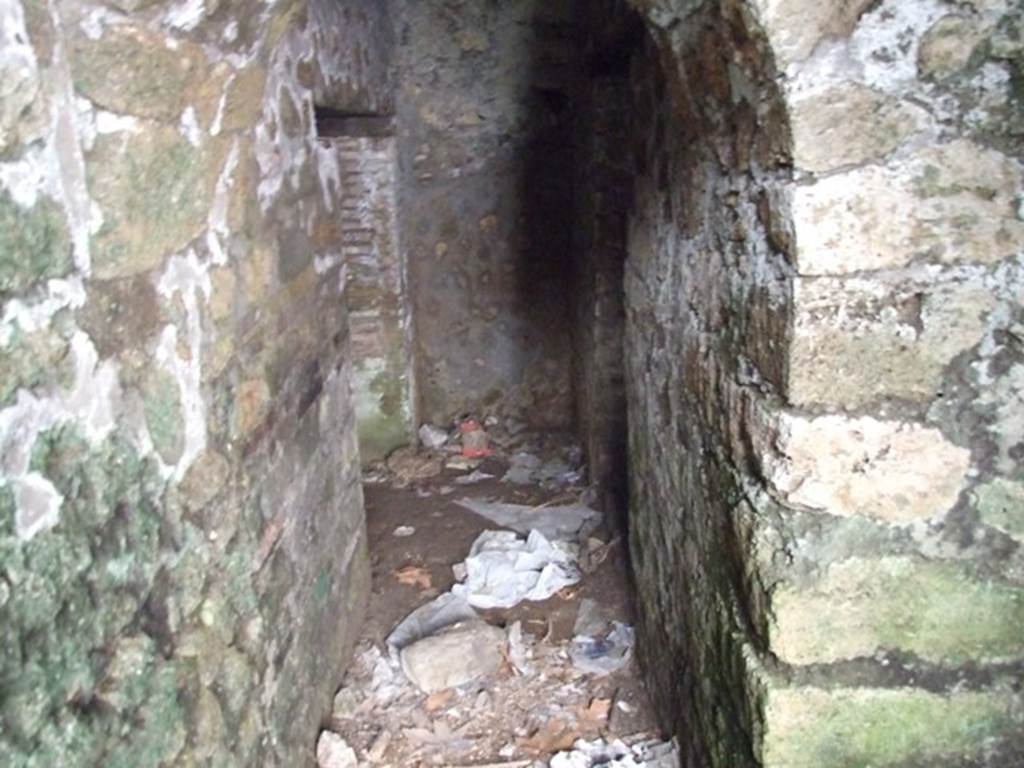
(182, 553)
(824, 377)
(485, 204)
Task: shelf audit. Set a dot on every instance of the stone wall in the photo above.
(485, 204)
(824, 379)
(183, 551)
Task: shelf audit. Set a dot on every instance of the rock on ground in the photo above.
(332, 751)
(459, 654)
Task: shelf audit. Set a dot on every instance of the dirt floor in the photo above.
(514, 718)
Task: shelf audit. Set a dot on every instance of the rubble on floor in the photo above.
(473, 675)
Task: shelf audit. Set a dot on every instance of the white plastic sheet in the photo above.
(616, 754)
(503, 570)
(555, 522)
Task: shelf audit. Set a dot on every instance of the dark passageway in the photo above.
(312, 309)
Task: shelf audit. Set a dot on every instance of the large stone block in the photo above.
(132, 70)
(859, 340)
(796, 27)
(848, 124)
(813, 727)
(939, 611)
(948, 45)
(951, 204)
(154, 190)
(888, 470)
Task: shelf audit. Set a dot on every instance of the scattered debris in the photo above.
(432, 437)
(415, 576)
(503, 570)
(616, 754)
(518, 653)
(439, 699)
(460, 463)
(554, 521)
(473, 477)
(332, 751)
(458, 654)
(408, 465)
(512, 687)
(528, 469)
(552, 736)
(595, 552)
(599, 647)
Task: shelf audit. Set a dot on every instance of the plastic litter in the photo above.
(474, 440)
(428, 619)
(432, 437)
(403, 531)
(503, 570)
(475, 476)
(617, 754)
(555, 522)
(599, 646)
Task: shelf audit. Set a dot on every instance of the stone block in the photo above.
(796, 27)
(937, 610)
(848, 124)
(891, 471)
(153, 189)
(857, 340)
(951, 204)
(812, 727)
(132, 70)
(948, 45)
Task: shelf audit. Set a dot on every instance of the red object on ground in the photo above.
(474, 440)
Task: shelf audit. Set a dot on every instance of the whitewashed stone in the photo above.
(950, 204)
(887, 470)
(849, 124)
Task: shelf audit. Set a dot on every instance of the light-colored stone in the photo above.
(956, 203)
(888, 470)
(457, 655)
(332, 751)
(936, 610)
(796, 27)
(856, 341)
(848, 124)
(947, 47)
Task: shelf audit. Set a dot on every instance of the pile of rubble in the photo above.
(451, 688)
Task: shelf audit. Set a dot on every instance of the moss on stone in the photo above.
(852, 728)
(937, 610)
(161, 401)
(33, 360)
(1000, 504)
(154, 190)
(35, 243)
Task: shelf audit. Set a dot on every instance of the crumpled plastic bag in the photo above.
(432, 617)
(503, 570)
(616, 754)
